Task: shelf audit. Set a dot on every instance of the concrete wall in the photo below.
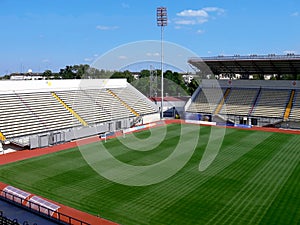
(151, 118)
(44, 140)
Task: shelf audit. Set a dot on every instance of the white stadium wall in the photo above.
(7, 87)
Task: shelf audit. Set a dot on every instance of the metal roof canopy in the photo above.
(247, 65)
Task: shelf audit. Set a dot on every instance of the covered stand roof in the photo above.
(246, 65)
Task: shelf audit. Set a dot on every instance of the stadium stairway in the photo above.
(218, 109)
(289, 106)
(82, 121)
(2, 137)
(255, 101)
(123, 103)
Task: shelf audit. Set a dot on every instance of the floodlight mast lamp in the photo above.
(162, 21)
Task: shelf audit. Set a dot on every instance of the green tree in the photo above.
(5, 77)
(80, 70)
(192, 86)
(48, 74)
(126, 74)
(67, 73)
(145, 73)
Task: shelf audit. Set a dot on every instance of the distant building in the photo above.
(188, 78)
(27, 76)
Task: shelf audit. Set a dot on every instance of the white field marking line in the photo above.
(265, 172)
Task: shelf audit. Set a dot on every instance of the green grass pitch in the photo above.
(253, 180)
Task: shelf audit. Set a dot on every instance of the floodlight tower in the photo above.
(162, 21)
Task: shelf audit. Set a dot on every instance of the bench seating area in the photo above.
(253, 102)
(271, 103)
(28, 113)
(239, 102)
(109, 104)
(48, 110)
(24, 114)
(133, 100)
(19, 115)
(207, 100)
(86, 106)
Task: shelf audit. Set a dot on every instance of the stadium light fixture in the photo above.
(162, 21)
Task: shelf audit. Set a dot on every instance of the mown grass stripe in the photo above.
(188, 179)
(205, 191)
(270, 176)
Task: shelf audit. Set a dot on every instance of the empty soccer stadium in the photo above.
(97, 152)
(149, 112)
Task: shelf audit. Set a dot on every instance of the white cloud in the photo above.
(45, 60)
(214, 9)
(101, 27)
(193, 13)
(295, 14)
(200, 16)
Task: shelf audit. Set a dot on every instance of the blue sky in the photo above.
(40, 34)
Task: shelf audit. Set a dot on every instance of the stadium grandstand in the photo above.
(41, 113)
(248, 102)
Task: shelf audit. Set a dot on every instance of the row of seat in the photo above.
(271, 103)
(258, 102)
(207, 100)
(94, 106)
(239, 102)
(134, 101)
(23, 114)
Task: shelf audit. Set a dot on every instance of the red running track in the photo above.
(26, 154)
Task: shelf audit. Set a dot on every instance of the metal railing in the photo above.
(6, 221)
(40, 210)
